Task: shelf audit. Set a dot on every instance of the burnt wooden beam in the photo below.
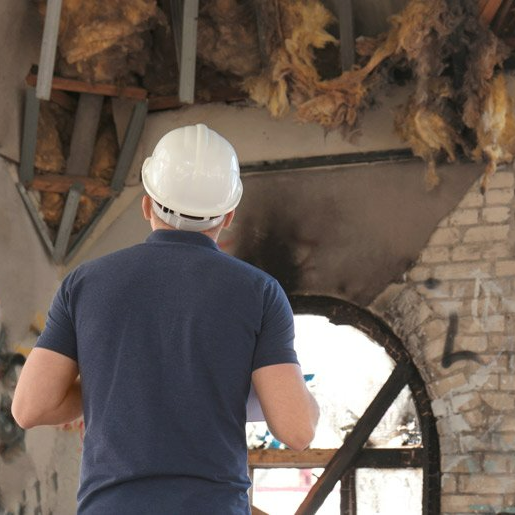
(108, 90)
(348, 497)
(62, 183)
(345, 457)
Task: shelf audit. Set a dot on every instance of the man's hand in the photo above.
(290, 410)
(48, 391)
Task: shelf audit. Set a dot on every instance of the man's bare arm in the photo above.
(290, 410)
(48, 391)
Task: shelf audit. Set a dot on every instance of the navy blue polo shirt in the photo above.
(166, 335)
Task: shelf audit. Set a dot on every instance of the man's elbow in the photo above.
(303, 435)
(24, 417)
(22, 420)
(300, 440)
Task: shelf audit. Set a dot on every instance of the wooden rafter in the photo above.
(109, 90)
(62, 183)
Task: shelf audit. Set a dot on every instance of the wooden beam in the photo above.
(286, 458)
(380, 458)
(62, 183)
(227, 95)
(109, 90)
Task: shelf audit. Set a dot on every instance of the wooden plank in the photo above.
(84, 134)
(489, 11)
(172, 102)
(286, 458)
(346, 455)
(108, 90)
(378, 458)
(62, 183)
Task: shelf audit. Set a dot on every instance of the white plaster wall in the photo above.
(40, 473)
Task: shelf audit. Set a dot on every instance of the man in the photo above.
(157, 345)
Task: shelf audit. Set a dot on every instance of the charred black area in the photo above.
(274, 253)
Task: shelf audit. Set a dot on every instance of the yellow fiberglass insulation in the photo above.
(460, 100)
(55, 126)
(227, 37)
(496, 128)
(105, 41)
(290, 75)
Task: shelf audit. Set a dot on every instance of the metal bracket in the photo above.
(130, 142)
(48, 49)
(85, 129)
(29, 139)
(184, 21)
(346, 34)
(66, 226)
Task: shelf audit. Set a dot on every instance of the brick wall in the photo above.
(455, 312)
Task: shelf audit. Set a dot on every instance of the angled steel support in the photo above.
(130, 142)
(66, 226)
(40, 225)
(29, 138)
(184, 21)
(346, 455)
(85, 129)
(346, 34)
(48, 49)
(86, 231)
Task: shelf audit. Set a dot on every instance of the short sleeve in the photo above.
(275, 340)
(59, 332)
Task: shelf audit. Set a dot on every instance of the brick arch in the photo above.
(340, 312)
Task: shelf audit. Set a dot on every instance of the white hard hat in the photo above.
(193, 177)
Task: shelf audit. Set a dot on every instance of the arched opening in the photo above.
(377, 439)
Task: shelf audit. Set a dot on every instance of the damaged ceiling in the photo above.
(326, 62)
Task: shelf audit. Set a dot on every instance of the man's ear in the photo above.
(228, 219)
(146, 207)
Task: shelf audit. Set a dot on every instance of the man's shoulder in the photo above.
(110, 261)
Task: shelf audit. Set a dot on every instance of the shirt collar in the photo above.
(176, 236)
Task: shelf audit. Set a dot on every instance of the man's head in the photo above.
(192, 180)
